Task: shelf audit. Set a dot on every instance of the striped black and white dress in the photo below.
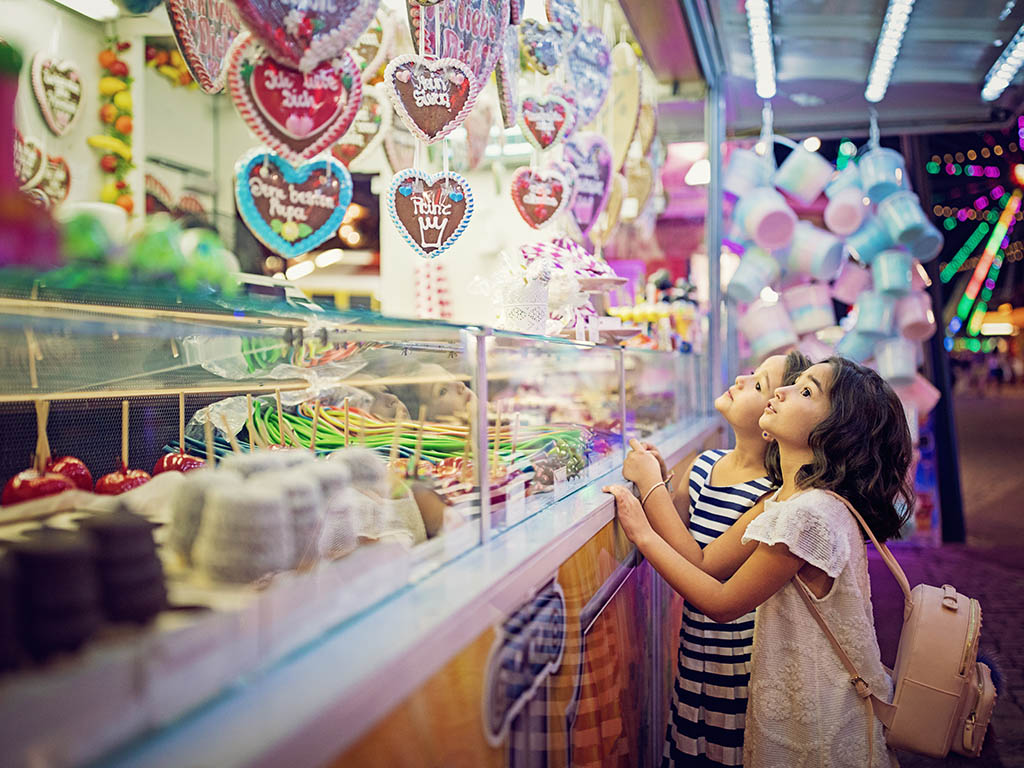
(709, 698)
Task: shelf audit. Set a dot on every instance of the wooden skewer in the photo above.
(316, 425)
(255, 441)
(415, 467)
(211, 454)
(235, 447)
(42, 457)
(288, 432)
(394, 443)
(124, 434)
(181, 422)
(280, 415)
(346, 422)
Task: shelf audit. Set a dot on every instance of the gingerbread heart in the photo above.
(591, 156)
(204, 31)
(399, 146)
(544, 120)
(304, 33)
(589, 63)
(472, 31)
(38, 198)
(58, 89)
(516, 8)
(430, 210)
(372, 47)
(543, 45)
(608, 221)
(561, 92)
(29, 161)
(540, 195)
(373, 120)
(647, 126)
(618, 117)
(56, 179)
(291, 210)
(639, 185)
(506, 72)
(432, 96)
(296, 114)
(566, 15)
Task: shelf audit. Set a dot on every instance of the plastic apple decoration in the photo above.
(179, 461)
(118, 69)
(30, 484)
(122, 480)
(106, 58)
(108, 163)
(108, 113)
(73, 469)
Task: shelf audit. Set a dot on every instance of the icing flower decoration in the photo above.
(291, 230)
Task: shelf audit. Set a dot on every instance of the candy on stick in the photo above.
(316, 425)
(178, 461)
(280, 416)
(235, 447)
(37, 482)
(124, 479)
(210, 454)
(255, 441)
(346, 422)
(413, 468)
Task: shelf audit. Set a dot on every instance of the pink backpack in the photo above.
(942, 696)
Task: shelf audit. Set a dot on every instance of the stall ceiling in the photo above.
(823, 51)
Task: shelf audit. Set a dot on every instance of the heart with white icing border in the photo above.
(591, 156)
(373, 121)
(540, 194)
(204, 31)
(471, 31)
(56, 179)
(589, 63)
(543, 45)
(29, 161)
(373, 46)
(430, 210)
(296, 114)
(291, 210)
(432, 96)
(545, 121)
(57, 85)
(506, 73)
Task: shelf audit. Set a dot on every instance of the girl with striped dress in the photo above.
(709, 697)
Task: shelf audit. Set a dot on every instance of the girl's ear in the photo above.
(766, 436)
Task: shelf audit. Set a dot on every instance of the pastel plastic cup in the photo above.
(745, 171)
(915, 318)
(920, 393)
(814, 252)
(757, 269)
(883, 172)
(845, 211)
(913, 423)
(767, 328)
(897, 360)
(871, 239)
(853, 279)
(767, 218)
(928, 244)
(804, 174)
(809, 307)
(902, 217)
(856, 346)
(814, 348)
(844, 179)
(876, 314)
(891, 272)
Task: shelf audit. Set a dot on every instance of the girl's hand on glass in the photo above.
(641, 467)
(631, 515)
(652, 449)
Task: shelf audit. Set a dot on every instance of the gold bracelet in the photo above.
(653, 489)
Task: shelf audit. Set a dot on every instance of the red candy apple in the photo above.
(177, 462)
(73, 469)
(121, 481)
(29, 484)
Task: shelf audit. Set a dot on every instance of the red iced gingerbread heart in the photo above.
(204, 30)
(540, 195)
(29, 161)
(373, 120)
(545, 121)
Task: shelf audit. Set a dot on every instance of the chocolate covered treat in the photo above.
(187, 507)
(305, 501)
(131, 577)
(58, 593)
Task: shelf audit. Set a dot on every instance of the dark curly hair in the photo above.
(862, 449)
(796, 363)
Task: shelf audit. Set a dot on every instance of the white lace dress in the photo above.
(803, 711)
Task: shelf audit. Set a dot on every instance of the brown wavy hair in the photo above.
(796, 363)
(862, 449)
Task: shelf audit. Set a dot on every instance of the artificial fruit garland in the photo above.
(116, 115)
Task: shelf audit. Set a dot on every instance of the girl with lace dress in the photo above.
(839, 429)
(709, 696)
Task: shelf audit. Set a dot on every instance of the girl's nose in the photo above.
(780, 393)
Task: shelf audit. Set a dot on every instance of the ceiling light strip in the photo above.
(897, 16)
(1005, 69)
(759, 23)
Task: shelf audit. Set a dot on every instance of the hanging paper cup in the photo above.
(868, 241)
(914, 316)
(814, 252)
(814, 348)
(746, 171)
(897, 361)
(901, 216)
(890, 272)
(767, 218)
(920, 393)
(844, 179)
(804, 174)
(856, 346)
(882, 173)
(853, 279)
(845, 211)
(928, 244)
(757, 270)
(876, 314)
(809, 307)
(767, 328)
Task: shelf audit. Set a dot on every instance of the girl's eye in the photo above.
(757, 386)
(806, 392)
